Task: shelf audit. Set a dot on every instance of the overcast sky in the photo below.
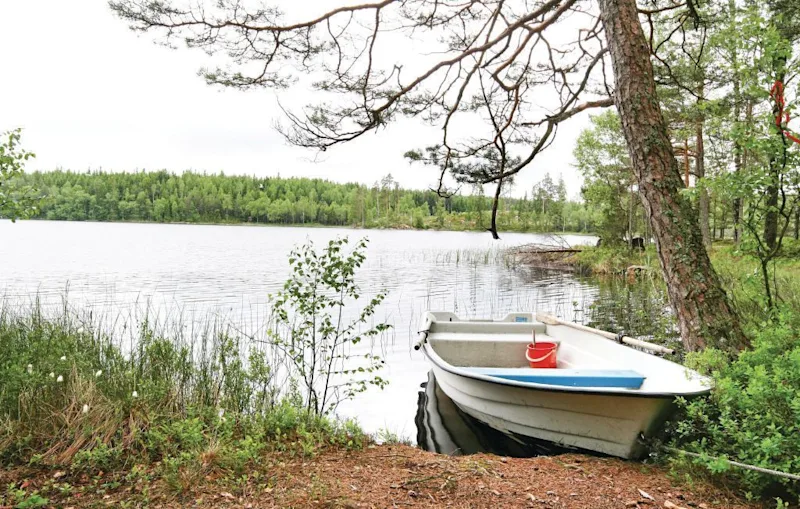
(91, 94)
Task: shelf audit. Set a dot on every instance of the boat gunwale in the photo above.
(604, 391)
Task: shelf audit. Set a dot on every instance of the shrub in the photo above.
(312, 331)
(753, 414)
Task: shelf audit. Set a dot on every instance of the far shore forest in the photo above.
(165, 197)
(190, 197)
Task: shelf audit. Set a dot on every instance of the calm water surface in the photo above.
(197, 271)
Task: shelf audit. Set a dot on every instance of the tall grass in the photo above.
(464, 256)
(741, 275)
(75, 391)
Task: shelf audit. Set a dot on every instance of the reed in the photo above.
(92, 393)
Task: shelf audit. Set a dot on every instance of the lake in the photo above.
(197, 271)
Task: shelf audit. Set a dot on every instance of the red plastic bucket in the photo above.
(542, 354)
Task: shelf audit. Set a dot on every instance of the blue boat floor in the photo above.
(619, 378)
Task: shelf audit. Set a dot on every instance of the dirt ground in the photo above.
(384, 476)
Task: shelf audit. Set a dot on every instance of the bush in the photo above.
(753, 414)
(311, 330)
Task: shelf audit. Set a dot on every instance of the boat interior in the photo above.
(497, 348)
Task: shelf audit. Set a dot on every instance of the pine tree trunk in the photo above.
(700, 173)
(737, 202)
(705, 316)
(743, 160)
(737, 146)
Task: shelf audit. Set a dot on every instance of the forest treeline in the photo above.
(161, 196)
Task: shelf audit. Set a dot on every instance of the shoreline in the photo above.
(379, 476)
(305, 225)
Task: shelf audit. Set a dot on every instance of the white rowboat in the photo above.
(603, 396)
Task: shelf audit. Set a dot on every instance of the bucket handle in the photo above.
(540, 359)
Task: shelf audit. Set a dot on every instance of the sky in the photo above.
(91, 94)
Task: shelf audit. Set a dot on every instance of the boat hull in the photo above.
(607, 423)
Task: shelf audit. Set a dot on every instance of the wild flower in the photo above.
(85, 409)
(52, 375)
(99, 373)
(60, 379)
(135, 394)
(221, 413)
(63, 357)
(30, 368)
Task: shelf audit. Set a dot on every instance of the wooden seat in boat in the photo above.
(619, 378)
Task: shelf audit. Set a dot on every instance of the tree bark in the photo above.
(493, 227)
(738, 203)
(700, 173)
(630, 216)
(705, 315)
(737, 210)
(737, 146)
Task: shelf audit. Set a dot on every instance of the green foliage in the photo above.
(199, 198)
(755, 49)
(601, 155)
(99, 457)
(311, 330)
(753, 414)
(21, 499)
(614, 259)
(16, 199)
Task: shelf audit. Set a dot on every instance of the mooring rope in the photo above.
(741, 465)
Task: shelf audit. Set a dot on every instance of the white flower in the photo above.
(30, 368)
(135, 394)
(63, 357)
(52, 375)
(60, 379)
(221, 413)
(99, 372)
(85, 409)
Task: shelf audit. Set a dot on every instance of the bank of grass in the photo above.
(77, 400)
(613, 260)
(740, 272)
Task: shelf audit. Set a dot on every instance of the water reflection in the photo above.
(638, 309)
(442, 427)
